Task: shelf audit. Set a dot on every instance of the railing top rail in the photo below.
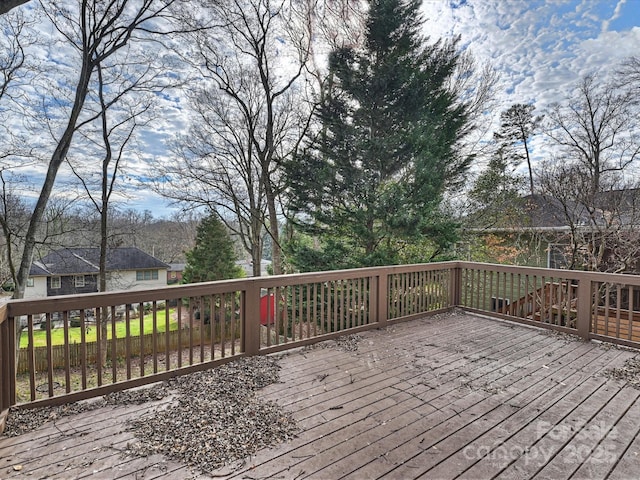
(123, 297)
(106, 299)
(624, 278)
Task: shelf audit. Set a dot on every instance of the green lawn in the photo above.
(57, 334)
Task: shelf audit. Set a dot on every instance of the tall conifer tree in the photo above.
(374, 176)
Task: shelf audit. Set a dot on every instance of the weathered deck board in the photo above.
(441, 397)
(440, 433)
(420, 404)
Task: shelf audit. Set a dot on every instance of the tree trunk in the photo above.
(104, 312)
(276, 249)
(57, 158)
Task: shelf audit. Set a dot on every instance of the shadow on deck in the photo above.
(450, 396)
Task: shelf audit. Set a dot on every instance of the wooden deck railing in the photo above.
(592, 305)
(55, 351)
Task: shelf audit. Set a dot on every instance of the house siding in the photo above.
(68, 287)
(123, 265)
(39, 289)
(126, 280)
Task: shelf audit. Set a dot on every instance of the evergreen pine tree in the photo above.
(374, 177)
(213, 257)
(517, 127)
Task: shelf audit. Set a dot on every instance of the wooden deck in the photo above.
(453, 396)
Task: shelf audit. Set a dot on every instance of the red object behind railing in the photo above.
(267, 309)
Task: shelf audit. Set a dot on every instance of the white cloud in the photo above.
(540, 48)
(616, 15)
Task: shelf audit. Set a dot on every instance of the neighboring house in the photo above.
(519, 233)
(548, 232)
(174, 274)
(71, 271)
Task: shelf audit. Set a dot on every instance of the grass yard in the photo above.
(57, 334)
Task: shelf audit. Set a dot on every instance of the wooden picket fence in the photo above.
(176, 340)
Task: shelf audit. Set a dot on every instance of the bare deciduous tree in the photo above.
(598, 128)
(112, 137)
(97, 32)
(249, 116)
(14, 217)
(603, 227)
(474, 85)
(16, 71)
(628, 75)
(593, 183)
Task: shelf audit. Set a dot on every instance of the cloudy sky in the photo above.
(539, 48)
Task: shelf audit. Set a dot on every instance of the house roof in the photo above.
(545, 213)
(548, 212)
(38, 269)
(72, 261)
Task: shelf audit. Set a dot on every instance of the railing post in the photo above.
(381, 301)
(455, 286)
(7, 364)
(251, 319)
(585, 300)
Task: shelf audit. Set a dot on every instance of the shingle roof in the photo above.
(548, 212)
(71, 261)
(542, 211)
(38, 269)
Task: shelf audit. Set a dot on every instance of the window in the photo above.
(142, 275)
(79, 281)
(173, 275)
(29, 282)
(55, 282)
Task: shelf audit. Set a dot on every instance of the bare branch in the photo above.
(597, 128)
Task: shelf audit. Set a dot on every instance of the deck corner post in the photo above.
(251, 319)
(583, 316)
(455, 286)
(381, 298)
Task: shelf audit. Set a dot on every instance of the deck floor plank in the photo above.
(452, 396)
(413, 448)
(449, 454)
(432, 403)
(583, 444)
(343, 445)
(554, 438)
(481, 456)
(628, 460)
